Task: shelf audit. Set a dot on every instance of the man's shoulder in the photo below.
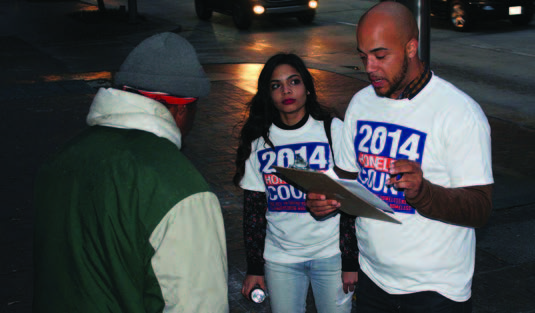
(362, 100)
(453, 103)
(162, 163)
(444, 88)
(365, 92)
(103, 148)
(363, 95)
(130, 145)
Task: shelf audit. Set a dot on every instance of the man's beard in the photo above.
(396, 81)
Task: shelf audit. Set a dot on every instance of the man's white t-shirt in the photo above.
(445, 131)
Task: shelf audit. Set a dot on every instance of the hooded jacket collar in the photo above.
(120, 109)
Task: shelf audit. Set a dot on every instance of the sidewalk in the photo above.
(44, 103)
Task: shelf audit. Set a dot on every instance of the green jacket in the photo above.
(125, 223)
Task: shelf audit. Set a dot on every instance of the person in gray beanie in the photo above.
(123, 220)
(167, 63)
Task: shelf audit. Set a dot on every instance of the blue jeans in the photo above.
(372, 299)
(288, 284)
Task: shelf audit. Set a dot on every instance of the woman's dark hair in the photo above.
(262, 111)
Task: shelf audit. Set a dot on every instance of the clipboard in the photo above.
(358, 201)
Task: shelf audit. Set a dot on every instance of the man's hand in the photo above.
(350, 280)
(406, 175)
(319, 205)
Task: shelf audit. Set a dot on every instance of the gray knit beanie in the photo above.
(164, 62)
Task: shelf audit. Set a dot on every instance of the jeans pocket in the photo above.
(343, 298)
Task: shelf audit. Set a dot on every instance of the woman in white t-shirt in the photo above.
(284, 243)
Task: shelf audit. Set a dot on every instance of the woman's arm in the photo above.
(254, 230)
(348, 243)
(350, 252)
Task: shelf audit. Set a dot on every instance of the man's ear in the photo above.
(181, 109)
(177, 109)
(412, 48)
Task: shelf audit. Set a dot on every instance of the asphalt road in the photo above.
(495, 63)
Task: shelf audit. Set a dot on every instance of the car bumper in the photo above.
(288, 9)
(500, 9)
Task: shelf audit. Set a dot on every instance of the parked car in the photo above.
(244, 11)
(464, 13)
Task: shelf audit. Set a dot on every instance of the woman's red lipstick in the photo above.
(288, 101)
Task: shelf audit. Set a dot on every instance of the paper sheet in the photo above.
(354, 198)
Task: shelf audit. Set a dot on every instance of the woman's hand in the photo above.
(249, 282)
(350, 280)
(319, 205)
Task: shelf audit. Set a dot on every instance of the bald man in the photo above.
(423, 146)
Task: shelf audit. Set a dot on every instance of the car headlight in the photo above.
(258, 9)
(313, 4)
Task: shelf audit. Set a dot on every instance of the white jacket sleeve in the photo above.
(190, 262)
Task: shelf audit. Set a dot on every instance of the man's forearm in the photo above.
(464, 206)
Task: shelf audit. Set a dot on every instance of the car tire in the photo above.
(203, 11)
(242, 17)
(525, 18)
(460, 18)
(307, 17)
